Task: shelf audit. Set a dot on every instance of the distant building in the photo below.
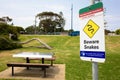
(64, 33)
(111, 34)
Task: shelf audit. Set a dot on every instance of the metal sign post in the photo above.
(92, 43)
(94, 64)
(92, 2)
(95, 70)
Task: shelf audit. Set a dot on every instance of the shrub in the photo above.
(117, 31)
(7, 44)
(6, 29)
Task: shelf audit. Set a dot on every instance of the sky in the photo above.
(23, 12)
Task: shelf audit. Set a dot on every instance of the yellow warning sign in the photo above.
(91, 28)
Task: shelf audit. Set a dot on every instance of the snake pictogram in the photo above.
(90, 28)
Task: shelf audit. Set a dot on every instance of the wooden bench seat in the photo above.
(43, 66)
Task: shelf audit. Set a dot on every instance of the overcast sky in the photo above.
(23, 11)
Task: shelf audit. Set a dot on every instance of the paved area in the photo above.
(56, 72)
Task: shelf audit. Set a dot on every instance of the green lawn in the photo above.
(66, 49)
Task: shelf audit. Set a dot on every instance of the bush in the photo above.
(6, 29)
(7, 44)
(117, 31)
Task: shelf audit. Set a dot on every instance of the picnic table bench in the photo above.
(43, 66)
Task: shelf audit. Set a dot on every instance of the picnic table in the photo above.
(32, 55)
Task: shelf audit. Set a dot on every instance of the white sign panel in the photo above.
(92, 42)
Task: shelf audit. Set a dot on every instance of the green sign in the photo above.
(90, 8)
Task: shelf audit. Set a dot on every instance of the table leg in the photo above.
(42, 60)
(27, 61)
(12, 70)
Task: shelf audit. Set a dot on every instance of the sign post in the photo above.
(92, 43)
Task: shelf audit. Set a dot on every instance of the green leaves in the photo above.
(50, 22)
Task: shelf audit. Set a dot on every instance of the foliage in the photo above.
(3, 28)
(19, 29)
(8, 33)
(6, 29)
(6, 19)
(117, 32)
(2, 20)
(30, 30)
(51, 22)
(6, 44)
(107, 31)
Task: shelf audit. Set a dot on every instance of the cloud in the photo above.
(23, 21)
(55, 7)
(2, 14)
(113, 22)
(113, 18)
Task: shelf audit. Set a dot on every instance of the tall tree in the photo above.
(7, 19)
(50, 22)
(30, 29)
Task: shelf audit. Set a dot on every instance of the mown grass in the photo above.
(66, 49)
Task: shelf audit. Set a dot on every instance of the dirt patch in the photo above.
(56, 72)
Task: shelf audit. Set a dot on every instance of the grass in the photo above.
(66, 49)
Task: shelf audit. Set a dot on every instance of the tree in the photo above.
(50, 22)
(19, 29)
(6, 29)
(7, 19)
(2, 20)
(30, 30)
(107, 31)
(117, 32)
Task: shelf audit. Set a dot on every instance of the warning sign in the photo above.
(92, 37)
(91, 28)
